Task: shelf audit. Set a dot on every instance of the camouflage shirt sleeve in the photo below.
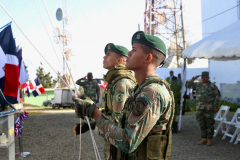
(120, 94)
(215, 90)
(150, 105)
(78, 82)
(190, 84)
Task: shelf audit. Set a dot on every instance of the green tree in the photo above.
(45, 78)
(26, 68)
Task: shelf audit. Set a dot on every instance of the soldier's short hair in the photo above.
(158, 57)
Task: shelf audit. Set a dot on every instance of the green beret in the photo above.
(89, 74)
(117, 49)
(149, 40)
(205, 73)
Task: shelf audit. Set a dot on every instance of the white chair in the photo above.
(234, 122)
(219, 117)
(238, 134)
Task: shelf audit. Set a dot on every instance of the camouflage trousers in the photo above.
(206, 122)
(106, 150)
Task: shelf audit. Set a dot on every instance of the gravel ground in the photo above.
(49, 136)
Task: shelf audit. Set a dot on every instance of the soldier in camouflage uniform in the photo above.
(207, 98)
(91, 88)
(146, 131)
(120, 83)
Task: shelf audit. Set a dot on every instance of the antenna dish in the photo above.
(59, 14)
(58, 37)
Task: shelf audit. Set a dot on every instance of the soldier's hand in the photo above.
(97, 100)
(76, 129)
(196, 77)
(74, 96)
(84, 107)
(85, 128)
(215, 110)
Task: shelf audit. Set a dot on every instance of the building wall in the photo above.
(213, 7)
(38, 101)
(227, 71)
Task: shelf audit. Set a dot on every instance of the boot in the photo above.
(209, 142)
(203, 141)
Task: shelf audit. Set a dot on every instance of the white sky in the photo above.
(94, 23)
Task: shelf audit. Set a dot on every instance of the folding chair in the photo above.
(219, 117)
(238, 134)
(235, 122)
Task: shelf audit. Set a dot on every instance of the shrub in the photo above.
(233, 105)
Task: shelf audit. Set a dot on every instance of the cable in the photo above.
(48, 33)
(220, 13)
(80, 138)
(33, 45)
(60, 47)
(5, 98)
(93, 140)
(214, 15)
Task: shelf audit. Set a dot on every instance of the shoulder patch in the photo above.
(139, 107)
(119, 98)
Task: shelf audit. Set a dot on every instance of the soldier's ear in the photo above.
(149, 58)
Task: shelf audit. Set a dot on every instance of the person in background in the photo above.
(207, 99)
(91, 88)
(172, 78)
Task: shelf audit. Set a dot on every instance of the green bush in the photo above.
(233, 105)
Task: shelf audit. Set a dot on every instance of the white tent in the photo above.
(171, 61)
(223, 45)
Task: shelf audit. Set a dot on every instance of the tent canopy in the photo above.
(223, 45)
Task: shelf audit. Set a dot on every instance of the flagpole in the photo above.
(183, 90)
(33, 45)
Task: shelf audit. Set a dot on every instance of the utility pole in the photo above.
(183, 29)
(176, 33)
(150, 15)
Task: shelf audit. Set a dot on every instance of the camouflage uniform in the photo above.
(119, 93)
(149, 116)
(207, 97)
(91, 89)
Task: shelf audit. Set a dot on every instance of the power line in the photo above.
(220, 13)
(215, 15)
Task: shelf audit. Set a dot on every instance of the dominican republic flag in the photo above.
(34, 87)
(28, 87)
(38, 88)
(23, 75)
(9, 68)
(102, 84)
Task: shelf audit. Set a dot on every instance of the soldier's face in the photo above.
(89, 77)
(136, 57)
(110, 60)
(205, 79)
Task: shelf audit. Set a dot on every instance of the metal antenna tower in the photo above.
(164, 18)
(65, 37)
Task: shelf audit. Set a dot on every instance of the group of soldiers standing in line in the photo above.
(138, 111)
